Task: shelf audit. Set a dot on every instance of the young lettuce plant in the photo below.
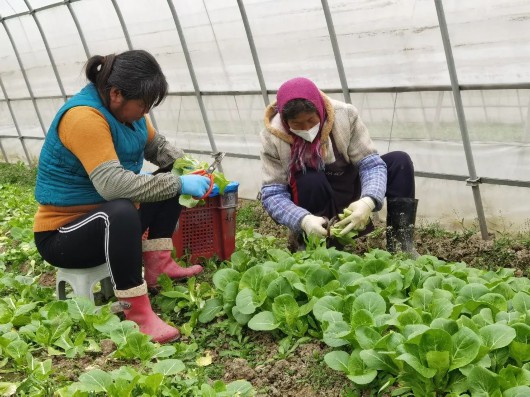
(194, 300)
(163, 378)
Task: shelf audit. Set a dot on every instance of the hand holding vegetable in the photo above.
(188, 169)
(312, 224)
(359, 216)
(194, 185)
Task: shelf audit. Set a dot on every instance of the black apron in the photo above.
(327, 193)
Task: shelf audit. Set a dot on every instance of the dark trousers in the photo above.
(400, 175)
(322, 198)
(111, 233)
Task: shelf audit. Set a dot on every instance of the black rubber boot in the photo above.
(400, 221)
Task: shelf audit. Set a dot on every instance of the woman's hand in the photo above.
(312, 224)
(360, 214)
(194, 185)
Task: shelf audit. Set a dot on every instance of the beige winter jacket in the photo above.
(349, 134)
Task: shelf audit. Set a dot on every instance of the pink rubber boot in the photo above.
(137, 308)
(157, 260)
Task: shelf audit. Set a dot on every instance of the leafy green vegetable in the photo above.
(187, 165)
(335, 231)
(428, 325)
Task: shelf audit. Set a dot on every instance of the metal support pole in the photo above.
(130, 47)
(48, 50)
(254, 52)
(25, 76)
(193, 77)
(122, 24)
(17, 128)
(473, 180)
(3, 152)
(336, 51)
(78, 27)
(484, 107)
(520, 106)
(46, 7)
(527, 123)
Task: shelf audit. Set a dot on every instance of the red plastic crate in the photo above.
(208, 230)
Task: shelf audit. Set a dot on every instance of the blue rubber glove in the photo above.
(194, 185)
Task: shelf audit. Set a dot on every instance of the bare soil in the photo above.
(301, 374)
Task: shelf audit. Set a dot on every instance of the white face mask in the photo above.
(308, 135)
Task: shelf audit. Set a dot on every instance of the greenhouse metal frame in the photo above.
(15, 123)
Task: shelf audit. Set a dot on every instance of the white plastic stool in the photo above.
(83, 281)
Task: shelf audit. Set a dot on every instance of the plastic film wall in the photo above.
(447, 81)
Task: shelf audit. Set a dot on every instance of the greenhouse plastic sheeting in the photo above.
(391, 63)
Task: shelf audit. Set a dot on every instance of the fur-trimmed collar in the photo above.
(273, 122)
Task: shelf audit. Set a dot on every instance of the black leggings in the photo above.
(112, 234)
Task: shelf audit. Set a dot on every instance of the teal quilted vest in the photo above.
(61, 178)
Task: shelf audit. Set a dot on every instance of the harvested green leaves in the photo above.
(335, 231)
(186, 165)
